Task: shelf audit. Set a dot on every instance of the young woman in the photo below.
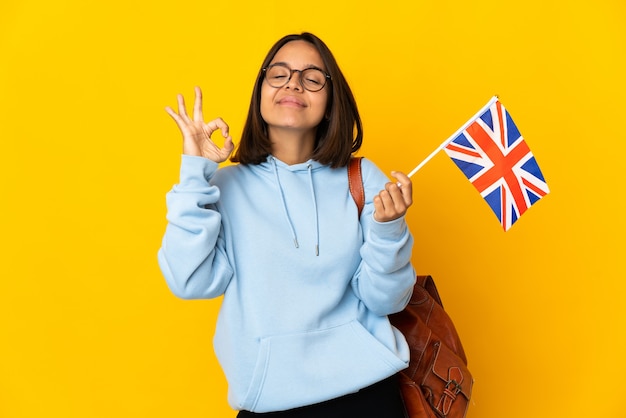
(307, 285)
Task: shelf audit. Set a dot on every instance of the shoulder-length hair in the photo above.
(338, 135)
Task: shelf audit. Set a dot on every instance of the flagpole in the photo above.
(454, 135)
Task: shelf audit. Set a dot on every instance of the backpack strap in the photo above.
(427, 282)
(355, 183)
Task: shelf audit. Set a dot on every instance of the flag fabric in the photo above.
(494, 156)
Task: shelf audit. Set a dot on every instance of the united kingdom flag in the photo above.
(493, 155)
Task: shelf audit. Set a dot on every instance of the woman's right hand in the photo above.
(197, 134)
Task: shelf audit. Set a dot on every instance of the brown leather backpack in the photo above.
(437, 383)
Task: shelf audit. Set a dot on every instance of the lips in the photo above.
(291, 101)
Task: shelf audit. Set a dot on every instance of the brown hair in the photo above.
(337, 137)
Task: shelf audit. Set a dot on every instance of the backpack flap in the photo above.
(447, 384)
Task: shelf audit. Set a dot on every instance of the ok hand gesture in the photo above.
(197, 134)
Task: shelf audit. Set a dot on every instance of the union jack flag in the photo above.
(493, 155)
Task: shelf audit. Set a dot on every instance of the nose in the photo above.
(293, 83)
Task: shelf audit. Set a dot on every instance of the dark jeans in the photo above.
(381, 400)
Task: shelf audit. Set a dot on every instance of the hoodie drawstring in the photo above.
(317, 221)
(286, 212)
(282, 199)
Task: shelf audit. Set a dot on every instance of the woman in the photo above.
(307, 285)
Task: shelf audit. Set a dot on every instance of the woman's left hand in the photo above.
(393, 202)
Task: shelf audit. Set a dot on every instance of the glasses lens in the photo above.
(277, 75)
(313, 79)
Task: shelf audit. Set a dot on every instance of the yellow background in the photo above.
(87, 325)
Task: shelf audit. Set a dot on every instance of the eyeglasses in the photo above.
(311, 79)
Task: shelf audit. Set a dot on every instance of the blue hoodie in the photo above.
(307, 286)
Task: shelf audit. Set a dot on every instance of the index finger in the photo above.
(216, 124)
(405, 184)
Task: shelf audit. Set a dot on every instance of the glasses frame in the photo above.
(327, 76)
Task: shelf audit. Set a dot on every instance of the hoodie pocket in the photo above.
(305, 368)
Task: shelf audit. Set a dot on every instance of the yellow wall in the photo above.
(87, 325)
